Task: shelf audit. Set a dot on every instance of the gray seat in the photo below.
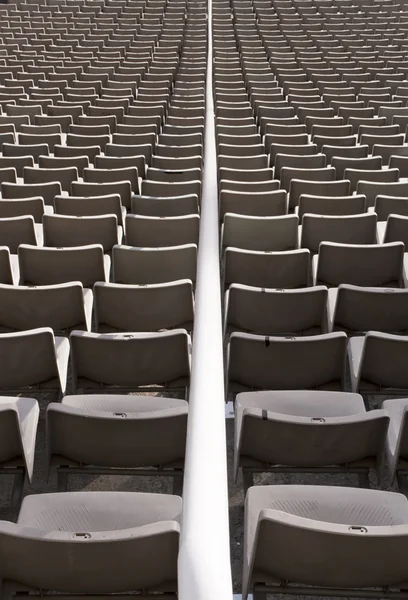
(350, 229)
(123, 188)
(67, 231)
(88, 206)
(333, 433)
(130, 360)
(378, 363)
(285, 523)
(384, 206)
(19, 230)
(165, 206)
(146, 231)
(395, 229)
(316, 188)
(154, 265)
(33, 358)
(258, 204)
(331, 205)
(372, 265)
(120, 307)
(357, 309)
(18, 426)
(64, 306)
(372, 189)
(92, 540)
(47, 191)
(260, 233)
(88, 431)
(396, 447)
(380, 176)
(48, 266)
(275, 311)
(267, 269)
(280, 363)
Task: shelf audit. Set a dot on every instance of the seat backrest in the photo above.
(68, 231)
(143, 307)
(57, 306)
(360, 309)
(135, 359)
(373, 189)
(350, 229)
(374, 265)
(260, 233)
(317, 188)
(275, 311)
(384, 206)
(377, 176)
(154, 265)
(48, 266)
(156, 232)
(287, 362)
(257, 204)
(331, 205)
(47, 191)
(267, 269)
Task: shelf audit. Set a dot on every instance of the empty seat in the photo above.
(64, 175)
(333, 432)
(372, 265)
(48, 266)
(260, 233)
(287, 269)
(275, 311)
(281, 525)
(145, 231)
(143, 307)
(18, 423)
(353, 229)
(356, 309)
(130, 360)
(61, 307)
(397, 440)
(34, 358)
(153, 433)
(19, 230)
(154, 265)
(331, 205)
(68, 231)
(279, 363)
(377, 363)
(121, 525)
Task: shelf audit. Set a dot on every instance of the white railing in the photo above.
(204, 568)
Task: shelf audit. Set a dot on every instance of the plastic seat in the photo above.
(87, 206)
(34, 358)
(154, 265)
(355, 309)
(69, 231)
(73, 151)
(372, 189)
(52, 162)
(49, 266)
(289, 363)
(373, 265)
(18, 423)
(61, 307)
(143, 308)
(257, 204)
(396, 440)
(153, 232)
(280, 524)
(65, 176)
(267, 269)
(113, 525)
(123, 188)
(377, 176)
(341, 163)
(350, 229)
(19, 230)
(349, 434)
(377, 363)
(47, 191)
(153, 433)
(130, 360)
(298, 187)
(313, 162)
(331, 205)
(275, 311)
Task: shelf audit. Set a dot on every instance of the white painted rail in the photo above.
(204, 569)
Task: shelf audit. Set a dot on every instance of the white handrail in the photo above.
(204, 568)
